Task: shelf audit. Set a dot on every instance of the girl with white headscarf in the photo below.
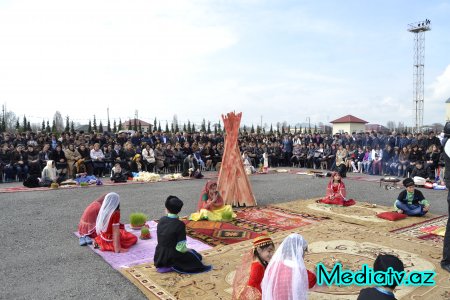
(108, 215)
(286, 276)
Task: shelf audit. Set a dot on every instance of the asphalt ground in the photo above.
(41, 258)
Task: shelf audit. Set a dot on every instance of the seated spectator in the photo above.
(411, 201)
(377, 161)
(341, 156)
(392, 164)
(97, 158)
(191, 167)
(5, 164)
(34, 164)
(296, 154)
(86, 157)
(60, 160)
(286, 276)
(248, 167)
(148, 158)
(19, 160)
(72, 155)
(49, 175)
(421, 170)
(160, 158)
(414, 156)
(136, 164)
(117, 174)
(383, 263)
(367, 160)
(403, 162)
(128, 155)
(318, 155)
(432, 158)
(107, 151)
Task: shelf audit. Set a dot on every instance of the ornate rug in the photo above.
(361, 213)
(422, 230)
(329, 242)
(249, 223)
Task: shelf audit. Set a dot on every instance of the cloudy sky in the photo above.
(280, 60)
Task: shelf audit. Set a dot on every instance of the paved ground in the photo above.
(41, 258)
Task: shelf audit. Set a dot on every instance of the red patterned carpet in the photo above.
(249, 223)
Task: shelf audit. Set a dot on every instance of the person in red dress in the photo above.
(286, 276)
(248, 277)
(108, 215)
(336, 193)
(86, 227)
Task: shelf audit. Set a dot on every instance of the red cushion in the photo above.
(391, 215)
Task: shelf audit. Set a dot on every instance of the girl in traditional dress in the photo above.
(86, 227)
(336, 193)
(108, 215)
(211, 205)
(286, 276)
(247, 281)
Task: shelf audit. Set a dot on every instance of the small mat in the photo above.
(143, 251)
(250, 223)
(361, 213)
(426, 230)
(329, 242)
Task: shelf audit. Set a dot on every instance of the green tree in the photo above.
(315, 128)
(94, 124)
(209, 127)
(47, 128)
(245, 128)
(215, 128)
(120, 125)
(271, 129)
(67, 129)
(43, 125)
(159, 126)
(193, 128)
(29, 126)
(114, 126)
(155, 127)
(219, 127)
(129, 125)
(167, 127)
(109, 126)
(17, 125)
(140, 126)
(177, 129)
(171, 128)
(54, 125)
(189, 129)
(135, 128)
(203, 126)
(25, 123)
(100, 127)
(289, 129)
(184, 127)
(72, 127)
(89, 127)
(252, 130)
(258, 129)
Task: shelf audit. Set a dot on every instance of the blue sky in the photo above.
(282, 60)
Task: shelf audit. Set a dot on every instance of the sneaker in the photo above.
(83, 241)
(88, 240)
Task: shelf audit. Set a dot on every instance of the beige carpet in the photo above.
(361, 213)
(329, 242)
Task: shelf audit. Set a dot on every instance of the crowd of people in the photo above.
(398, 154)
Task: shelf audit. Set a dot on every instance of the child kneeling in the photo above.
(171, 252)
(411, 201)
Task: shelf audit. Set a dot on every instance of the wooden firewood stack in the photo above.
(233, 184)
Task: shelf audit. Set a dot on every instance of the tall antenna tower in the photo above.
(419, 29)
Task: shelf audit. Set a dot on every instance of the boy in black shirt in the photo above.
(383, 263)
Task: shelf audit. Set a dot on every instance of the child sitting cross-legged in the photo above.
(172, 252)
(411, 201)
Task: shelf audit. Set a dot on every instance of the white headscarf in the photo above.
(286, 277)
(109, 205)
(49, 171)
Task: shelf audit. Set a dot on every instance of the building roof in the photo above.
(349, 119)
(143, 123)
(448, 100)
